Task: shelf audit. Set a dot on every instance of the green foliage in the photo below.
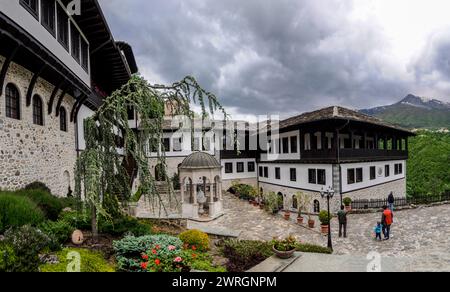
(245, 192)
(27, 242)
(176, 181)
(196, 238)
(49, 204)
(271, 202)
(129, 250)
(304, 202)
(100, 168)
(242, 255)
(38, 186)
(59, 232)
(79, 220)
(17, 211)
(310, 248)
(347, 201)
(324, 217)
(287, 244)
(8, 257)
(124, 225)
(91, 262)
(428, 164)
(204, 262)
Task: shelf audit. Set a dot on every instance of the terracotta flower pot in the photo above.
(283, 254)
(300, 220)
(287, 215)
(311, 223)
(348, 208)
(324, 229)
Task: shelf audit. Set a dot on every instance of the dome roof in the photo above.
(200, 160)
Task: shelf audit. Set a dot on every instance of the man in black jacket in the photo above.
(391, 201)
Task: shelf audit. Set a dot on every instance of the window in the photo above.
(266, 172)
(12, 102)
(321, 177)
(240, 167)
(307, 142)
(32, 6)
(177, 142)
(277, 173)
(373, 173)
(166, 144)
(38, 111)
(359, 175)
(63, 27)
(48, 15)
(62, 119)
(84, 54)
(312, 176)
(387, 170)
(285, 145)
(130, 113)
(228, 167)
(75, 38)
(294, 144)
(398, 169)
(206, 144)
(261, 171)
(251, 167)
(153, 145)
(350, 176)
(293, 172)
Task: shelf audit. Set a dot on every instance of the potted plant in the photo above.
(271, 203)
(303, 201)
(311, 222)
(324, 218)
(284, 249)
(348, 204)
(287, 215)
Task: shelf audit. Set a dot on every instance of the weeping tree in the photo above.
(116, 154)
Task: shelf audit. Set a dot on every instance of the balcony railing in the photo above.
(354, 154)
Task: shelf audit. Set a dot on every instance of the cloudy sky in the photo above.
(289, 56)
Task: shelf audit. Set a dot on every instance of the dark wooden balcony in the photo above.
(349, 155)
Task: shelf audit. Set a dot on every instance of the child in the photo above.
(377, 230)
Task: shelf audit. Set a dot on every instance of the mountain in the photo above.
(414, 112)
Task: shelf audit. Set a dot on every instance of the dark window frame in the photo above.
(251, 166)
(321, 177)
(52, 19)
(63, 119)
(240, 167)
(12, 102)
(387, 170)
(75, 36)
(60, 12)
(261, 171)
(38, 110)
(229, 167)
(351, 176)
(293, 174)
(27, 6)
(285, 142)
(266, 172)
(178, 141)
(373, 173)
(166, 144)
(277, 173)
(294, 145)
(359, 175)
(84, 54)
(312, 176)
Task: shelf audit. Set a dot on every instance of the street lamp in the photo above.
(328, 194)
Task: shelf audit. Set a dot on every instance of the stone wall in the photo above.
(35, 153)
(380, 192)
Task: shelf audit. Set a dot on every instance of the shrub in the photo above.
(245, 254)
(195, 238)
(324, 218)
(347, 201)
(28, 242)
(59, 233)
(203, 262)
(310, 248)
(79, 220)
(49, 204)
(287, 244)
(176, 181)
(129, 250)
(90, 262)
(38, 186)
(123, 225)
(271, 202)
(245, 192)
(17, 211)
(8, 258)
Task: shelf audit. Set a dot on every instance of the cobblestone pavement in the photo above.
(420, 237)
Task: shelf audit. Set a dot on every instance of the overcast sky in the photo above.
(290, 56)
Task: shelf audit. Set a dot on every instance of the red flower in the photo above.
(157, 247)
(157, 262)
(144, 266)
(154, 251)
(194, 255)
(194, 248)
(145, 257)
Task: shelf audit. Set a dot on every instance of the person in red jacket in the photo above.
(387, 219)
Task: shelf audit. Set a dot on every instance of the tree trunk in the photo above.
(94, 224)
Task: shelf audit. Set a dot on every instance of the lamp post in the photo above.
(328, 194)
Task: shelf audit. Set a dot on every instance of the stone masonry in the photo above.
(35, 153)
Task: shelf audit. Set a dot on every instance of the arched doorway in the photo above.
(316, 206)
(294, 202)
(280, 201)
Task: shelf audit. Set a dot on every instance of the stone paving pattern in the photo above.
(420, 237)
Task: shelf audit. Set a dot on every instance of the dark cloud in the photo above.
(262, 56)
